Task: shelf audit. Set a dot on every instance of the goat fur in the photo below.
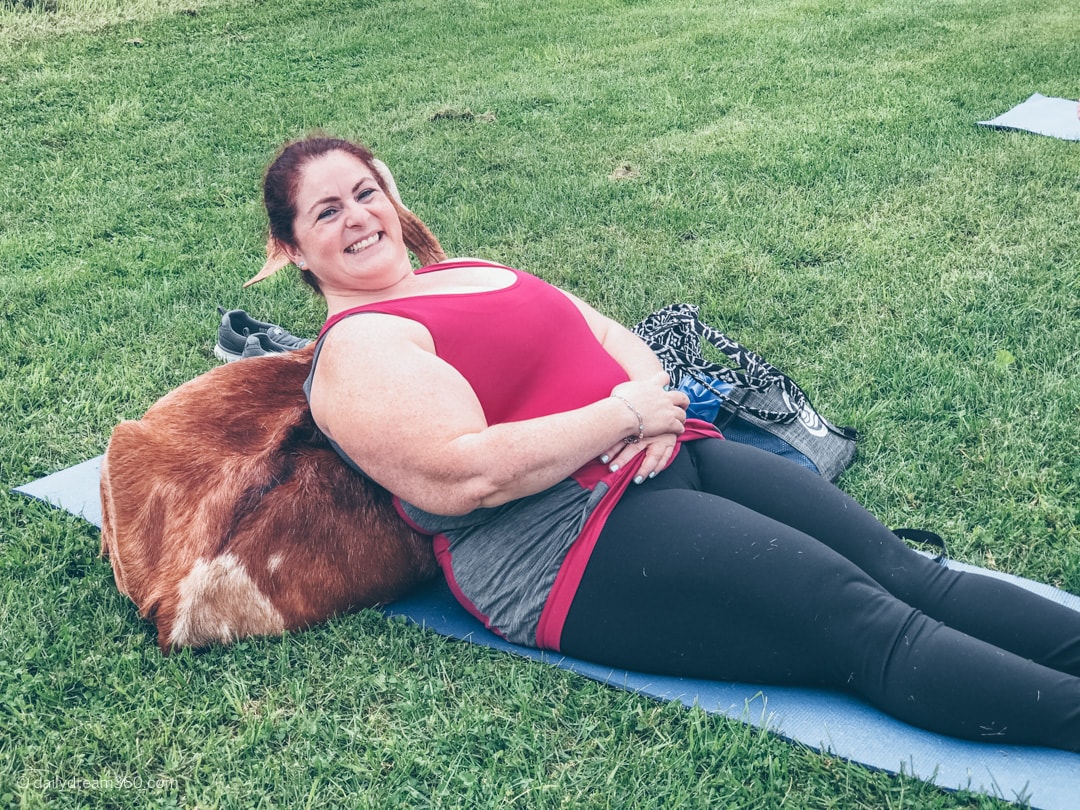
(226, 513)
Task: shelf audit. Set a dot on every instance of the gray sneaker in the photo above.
(258, 344)
(236, 330)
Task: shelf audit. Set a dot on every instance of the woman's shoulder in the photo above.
(375, 328)
(372, 347)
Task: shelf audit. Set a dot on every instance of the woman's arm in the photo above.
(640, 363)
(413, 423)
(629, 351)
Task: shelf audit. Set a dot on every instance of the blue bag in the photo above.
(706, 402)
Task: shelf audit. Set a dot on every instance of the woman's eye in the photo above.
(326, 213)
(363, 195)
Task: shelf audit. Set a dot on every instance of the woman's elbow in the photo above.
(456, 498)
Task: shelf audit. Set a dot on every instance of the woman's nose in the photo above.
(354, 212)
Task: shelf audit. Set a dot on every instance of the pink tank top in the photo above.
(527, 351)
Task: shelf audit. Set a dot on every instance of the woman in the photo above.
(574, 507)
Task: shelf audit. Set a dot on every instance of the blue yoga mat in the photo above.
(830, 722)
(1053, 117)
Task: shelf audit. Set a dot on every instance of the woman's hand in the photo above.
(656, 452)
(658, 410)
(662, 417)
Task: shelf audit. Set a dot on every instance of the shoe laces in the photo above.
(279, 335)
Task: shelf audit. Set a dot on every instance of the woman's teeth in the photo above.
(356, 247)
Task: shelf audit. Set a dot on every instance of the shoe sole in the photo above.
(228, 357)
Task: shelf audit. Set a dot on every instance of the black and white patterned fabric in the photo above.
(761, 396)
(675, 333)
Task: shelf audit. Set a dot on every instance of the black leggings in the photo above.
(735, 564)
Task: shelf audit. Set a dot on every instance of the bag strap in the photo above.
(928, 538)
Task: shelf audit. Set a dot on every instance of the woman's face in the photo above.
(346, 228)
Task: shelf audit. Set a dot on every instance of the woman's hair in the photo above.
(282, 180)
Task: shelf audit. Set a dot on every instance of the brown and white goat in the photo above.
(225, 512)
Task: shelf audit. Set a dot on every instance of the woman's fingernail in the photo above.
(604, 459)
(652, 474)
(639, 479)
(614, 467)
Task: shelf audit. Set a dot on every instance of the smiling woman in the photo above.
(574, 507)
(341, 213)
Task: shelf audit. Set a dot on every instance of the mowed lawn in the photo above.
(809, 173)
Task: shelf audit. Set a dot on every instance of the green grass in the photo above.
(808, 172)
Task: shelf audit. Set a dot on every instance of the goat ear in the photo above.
(418, 238)
(276, 258)
(388, 181)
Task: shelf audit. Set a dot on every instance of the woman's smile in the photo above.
(363, 244)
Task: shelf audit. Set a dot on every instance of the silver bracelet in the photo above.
(640, 421)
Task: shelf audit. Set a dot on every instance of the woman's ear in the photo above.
(277, 256)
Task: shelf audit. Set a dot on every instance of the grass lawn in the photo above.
(808, 172)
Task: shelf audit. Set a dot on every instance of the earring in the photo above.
(301, 264)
